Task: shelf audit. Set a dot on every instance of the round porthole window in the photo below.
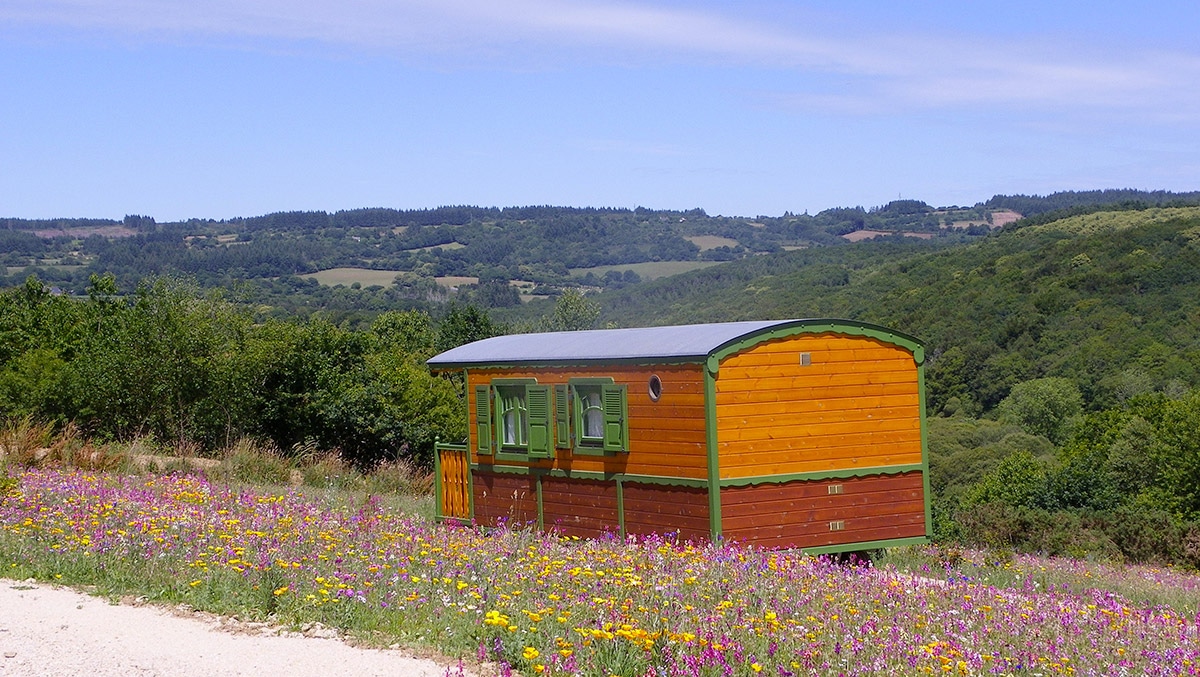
(655, 387)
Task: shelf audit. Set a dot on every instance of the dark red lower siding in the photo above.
(662, 509)
(584, 508)
(798, 514)
(509, 499)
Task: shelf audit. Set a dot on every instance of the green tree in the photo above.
(464, 324)
(1018, 480)
(1044, 406)
(573, 311)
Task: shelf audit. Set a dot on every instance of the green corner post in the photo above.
(710, 433)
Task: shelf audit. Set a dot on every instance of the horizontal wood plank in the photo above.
(727, 396)
(779, 405)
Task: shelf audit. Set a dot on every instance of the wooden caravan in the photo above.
(798, 433)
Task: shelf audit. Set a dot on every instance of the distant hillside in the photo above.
(353, 264)
(1109, 299)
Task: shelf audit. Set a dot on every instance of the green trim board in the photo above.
(437, 479)
(587, 475)
(865, 545)
(537, 488)
(925, 451)
(621, 507)
(824, 475)
(714, 465)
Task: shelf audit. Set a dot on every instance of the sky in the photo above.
(224, 108)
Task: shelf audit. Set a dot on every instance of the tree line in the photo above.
(188, 369)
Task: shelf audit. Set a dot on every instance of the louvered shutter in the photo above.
(615, 428)
(537, 401)
(483, 418)
(562, 417)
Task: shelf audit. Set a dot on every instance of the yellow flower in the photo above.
(281, 590)
(530, 653)
(757, 667)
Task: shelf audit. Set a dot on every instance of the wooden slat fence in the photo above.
(453, 471)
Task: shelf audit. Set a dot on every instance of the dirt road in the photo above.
(53, 631)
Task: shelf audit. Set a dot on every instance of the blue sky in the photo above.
(232, 108)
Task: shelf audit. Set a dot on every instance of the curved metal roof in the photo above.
(680, 343)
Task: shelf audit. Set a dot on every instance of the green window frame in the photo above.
(513, 417)
(599, 416)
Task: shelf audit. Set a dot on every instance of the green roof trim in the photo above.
(798, 327)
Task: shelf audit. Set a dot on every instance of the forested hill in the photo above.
(538, 249)
(1033, 205)
(1110, 300)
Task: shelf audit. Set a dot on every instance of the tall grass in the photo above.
(27, 443)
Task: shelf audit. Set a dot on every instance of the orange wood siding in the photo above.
(856, 405)
(797, 514)
(666, 438)
(658, 509)
(510, 499)
(584, 508)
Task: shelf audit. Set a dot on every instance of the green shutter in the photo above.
(537, 401)
(562, 417)
(612, 398)
(483, 418)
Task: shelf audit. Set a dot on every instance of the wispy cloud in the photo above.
(875, 71)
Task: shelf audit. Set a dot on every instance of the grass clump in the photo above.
(25, 441)
(330, 471)
(250, 462)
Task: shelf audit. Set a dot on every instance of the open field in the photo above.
(80, 233)
(860, 235)
(447, 246)
(15, 270)
(705, 242)
(348, 276)
(456, 280)
(650, 270)
(545, 605)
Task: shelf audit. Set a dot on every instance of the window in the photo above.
(512, 424)
(515, 414)
(654, 388)
(599, 416)
(591, 415)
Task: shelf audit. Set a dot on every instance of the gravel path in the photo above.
(49, 630)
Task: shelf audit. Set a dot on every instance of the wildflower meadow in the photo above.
(539, 604)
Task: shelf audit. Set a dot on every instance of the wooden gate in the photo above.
(452, 469)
